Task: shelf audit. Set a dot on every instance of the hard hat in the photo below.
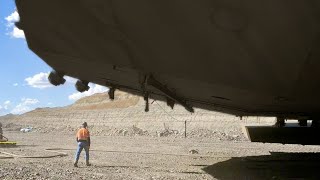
(84, 124)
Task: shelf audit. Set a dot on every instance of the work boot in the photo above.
(88, 164)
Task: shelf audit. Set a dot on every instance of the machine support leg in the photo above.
(303, 122)
(280, 122)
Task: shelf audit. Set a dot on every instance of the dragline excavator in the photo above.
(246, 58)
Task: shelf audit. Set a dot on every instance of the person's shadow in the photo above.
(278, 165)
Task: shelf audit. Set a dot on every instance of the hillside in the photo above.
(125, 116)
(101, 101)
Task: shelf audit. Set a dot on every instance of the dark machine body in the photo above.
(247, 58)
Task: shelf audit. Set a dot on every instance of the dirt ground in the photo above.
(144, 157)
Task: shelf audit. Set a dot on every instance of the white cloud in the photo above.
(14, 31)
(29, 101)
(17, 33)
(14, 17)
(6, 104)
(15, 84)
(94, 88)
(25, 105)
(4, 107)
(41, 81)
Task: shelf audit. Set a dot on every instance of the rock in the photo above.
(193, 151)
(125, 132)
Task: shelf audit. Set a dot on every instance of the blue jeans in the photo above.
(82, 145)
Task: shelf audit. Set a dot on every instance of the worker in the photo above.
(83, 139)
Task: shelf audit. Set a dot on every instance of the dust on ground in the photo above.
(146, 157)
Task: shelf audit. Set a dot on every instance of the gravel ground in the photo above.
(144, 157)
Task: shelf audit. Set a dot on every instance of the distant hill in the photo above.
(7, 116)
(126, 116)
(102, 101)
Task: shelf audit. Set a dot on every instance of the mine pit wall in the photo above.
(159, 121)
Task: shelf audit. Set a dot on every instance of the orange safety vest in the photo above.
(83, 134)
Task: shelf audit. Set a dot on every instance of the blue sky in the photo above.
(23, 76)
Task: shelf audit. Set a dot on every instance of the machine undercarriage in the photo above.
(304, 131)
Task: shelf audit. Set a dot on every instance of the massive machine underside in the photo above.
(243, 57)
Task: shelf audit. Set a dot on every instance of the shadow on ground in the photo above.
(6, 146)
(278, 165)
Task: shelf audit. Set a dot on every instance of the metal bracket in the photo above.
(144, 88)
(82, 86)
(56, 78)
(146, 98)
(170, 95)
(280, 122)
(170, 102)
(112, 89)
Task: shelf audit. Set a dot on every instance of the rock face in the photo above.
(125, 116)
(101, 101)
(8, 116)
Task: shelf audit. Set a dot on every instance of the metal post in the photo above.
(185, 129)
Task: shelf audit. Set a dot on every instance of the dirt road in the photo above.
(139, 157)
